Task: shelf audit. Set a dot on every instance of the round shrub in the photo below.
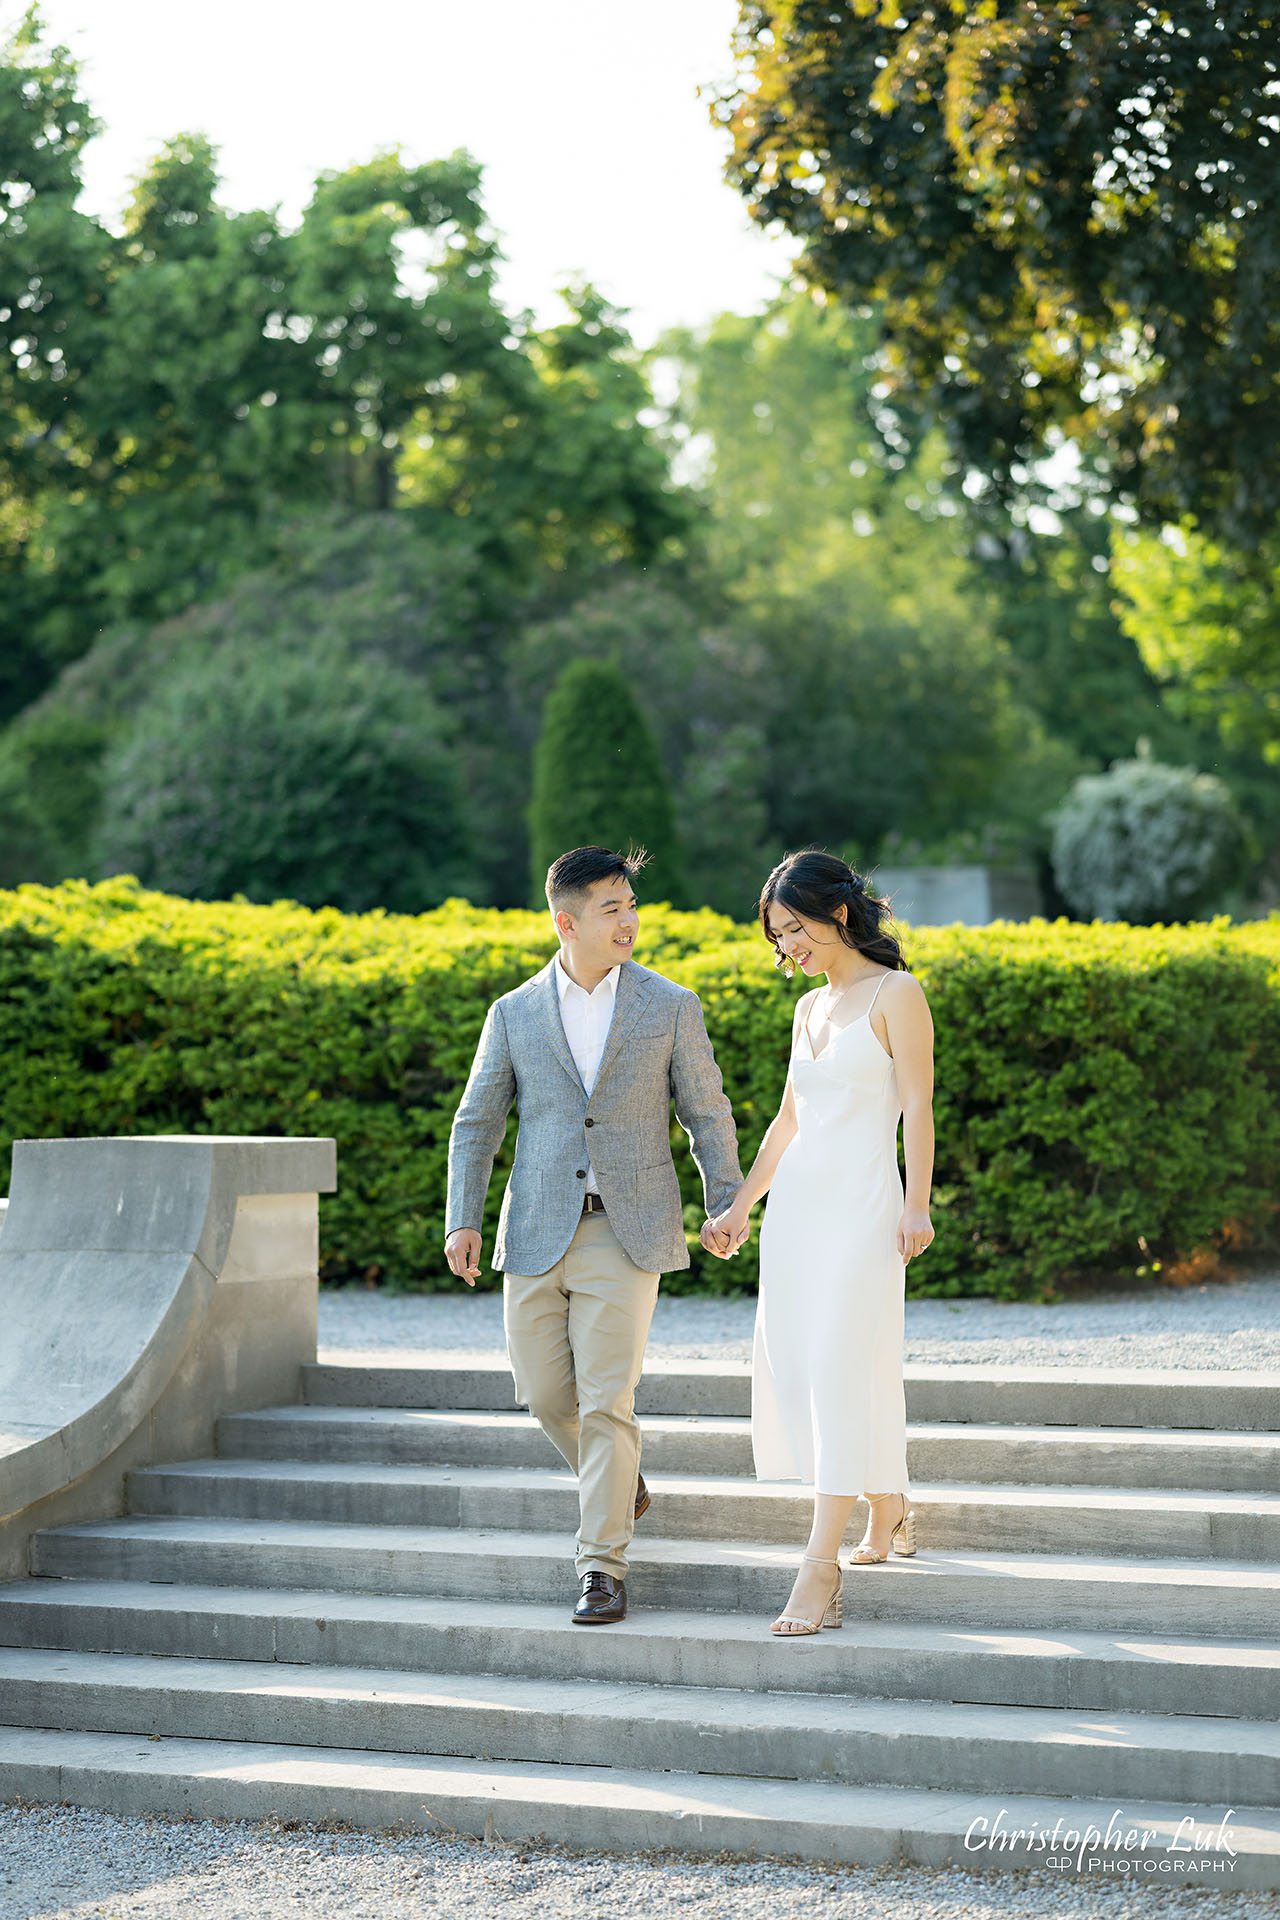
(1145, 842)
(316, 778)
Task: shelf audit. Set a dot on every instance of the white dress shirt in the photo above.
(587, 1018)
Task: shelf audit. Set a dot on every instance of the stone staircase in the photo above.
(360, 1608)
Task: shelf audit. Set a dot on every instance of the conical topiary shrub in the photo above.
(598, 780)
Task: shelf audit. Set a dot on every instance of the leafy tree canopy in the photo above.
(556, 462)
(1207, 621)
(867, 655)
(781, 421)
(1065, 214)
(395, 592)
(166, 390)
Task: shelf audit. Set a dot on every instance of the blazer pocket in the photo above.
(525, 1186)
(658, 1184)
(653, 1029)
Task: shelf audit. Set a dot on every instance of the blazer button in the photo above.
(588, 1123)
(582, 1173)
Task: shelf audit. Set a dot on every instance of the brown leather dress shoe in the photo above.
(603, 1599)
(642, 1497)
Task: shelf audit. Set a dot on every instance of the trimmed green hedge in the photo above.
(1108, 1097)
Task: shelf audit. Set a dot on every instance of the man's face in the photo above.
(603, 930)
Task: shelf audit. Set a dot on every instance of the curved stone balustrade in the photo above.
(147, 1285)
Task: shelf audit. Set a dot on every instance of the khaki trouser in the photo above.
(575, 1338)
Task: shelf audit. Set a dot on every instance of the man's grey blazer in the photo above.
(657, 1048)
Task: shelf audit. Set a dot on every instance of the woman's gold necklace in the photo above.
(832, 1004)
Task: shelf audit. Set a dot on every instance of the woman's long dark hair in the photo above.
(813, 885)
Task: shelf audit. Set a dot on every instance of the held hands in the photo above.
(914, 1232)
(462, 1251)
(726, 1233)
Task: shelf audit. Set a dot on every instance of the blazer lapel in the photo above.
(628, 1005)
(555, 1025)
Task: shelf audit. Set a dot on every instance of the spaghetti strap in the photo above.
(867, 1014)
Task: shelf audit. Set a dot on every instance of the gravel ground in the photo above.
(63, 1863)
(1233, 1324)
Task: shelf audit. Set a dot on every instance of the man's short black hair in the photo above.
(569, 877)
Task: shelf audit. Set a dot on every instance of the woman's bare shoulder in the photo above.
(906, 991)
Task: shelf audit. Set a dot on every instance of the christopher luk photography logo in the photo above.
(1189, 1849)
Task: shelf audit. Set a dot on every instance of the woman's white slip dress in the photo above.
(827, 1402)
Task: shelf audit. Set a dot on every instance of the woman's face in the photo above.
(810, 943)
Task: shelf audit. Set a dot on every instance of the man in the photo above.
(592, 1050)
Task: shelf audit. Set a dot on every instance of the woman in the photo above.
(827, 1398)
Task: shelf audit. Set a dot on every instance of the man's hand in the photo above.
(714, 1242)
(726, 1233)
(462, 1251)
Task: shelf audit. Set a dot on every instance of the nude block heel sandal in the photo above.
(902, 1539)
(833, 1617)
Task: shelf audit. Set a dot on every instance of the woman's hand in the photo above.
(914, 1232)
(726, 1233)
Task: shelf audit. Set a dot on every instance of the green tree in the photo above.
(552, 463)
(895, 736)
(864, 642)
(1064, 213)
(313, 779)
(702, 699)
(1078, 665)
(1207, 621)
(779, 417)
(238, 367)
(1205, 617)
(52, 281)
(169, 391)
(598, 779)
(387, 589)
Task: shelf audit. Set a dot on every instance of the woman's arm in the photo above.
(778, 1137)
(909, 1026)
(730, 1228)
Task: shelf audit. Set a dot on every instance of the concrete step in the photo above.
(1177, 1458)
(441, 1381)
(793, 1736)
(970, 1588)
(1134, 1520)
(718, 1444)
(391, 1435)
(701, 1813)
(1011, 1396)
(904, 1660)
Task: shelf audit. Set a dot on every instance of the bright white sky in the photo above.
(600, 158)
